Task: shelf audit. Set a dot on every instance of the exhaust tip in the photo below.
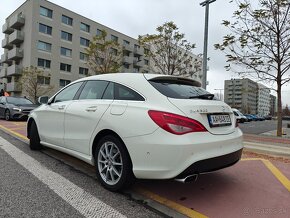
(187, 179)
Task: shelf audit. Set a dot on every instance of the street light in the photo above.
(204, 62)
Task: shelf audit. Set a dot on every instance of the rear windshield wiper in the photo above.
(204, 96)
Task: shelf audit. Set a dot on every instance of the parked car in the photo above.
(268, 117)
(249, 117)
(145, 126)
(260, 118)
(15, 108)
(239, 116)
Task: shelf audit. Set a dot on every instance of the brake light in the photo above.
(176, 124)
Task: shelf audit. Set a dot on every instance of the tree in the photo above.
(170, 52)
(35, 83)
(286, 111)
(104, 56)
(259, 43)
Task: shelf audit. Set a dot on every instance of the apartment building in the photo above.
(263, 100)
(273, 105)
(43, 34)
(241, 94)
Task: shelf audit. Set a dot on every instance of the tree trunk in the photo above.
(279, 112)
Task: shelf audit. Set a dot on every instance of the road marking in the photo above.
(179, 208)
(88, 205)
(274, 170)
(277, 173)
(13, 132)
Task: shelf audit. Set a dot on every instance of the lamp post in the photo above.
(204, 62)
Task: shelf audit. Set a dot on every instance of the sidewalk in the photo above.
(268, 143)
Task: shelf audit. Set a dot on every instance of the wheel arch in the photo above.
(104, 133)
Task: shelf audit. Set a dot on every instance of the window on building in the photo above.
(84, 42)
(83, 56)
(45, 29)
(83, 71)
(126, 66)
(65, 67)
(45, 12)
(114, 38)
(125, 42)
(66, 36)
(136, 46)
(85, 27)
(146, 62)
(146, 51)
(44, 46)
(43, 63)
(99, 32)
(135, 70)
(114, 51)
(64, 82)
(66, 52)
(43, 80)
(67, 20)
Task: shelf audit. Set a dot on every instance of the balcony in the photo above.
(16, 37)
(139, 51)
(17, 21)
(4, 58)
(3, 72)
(138, 63)
(6, 44)
(13, 87)
(6, 29)
(127, 59)
(127, 47)
(15, 54)
(14, 70)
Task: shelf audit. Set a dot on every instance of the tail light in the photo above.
(176, 124)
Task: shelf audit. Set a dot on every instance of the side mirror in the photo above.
(43, 99)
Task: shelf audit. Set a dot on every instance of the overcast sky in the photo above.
(138, 17)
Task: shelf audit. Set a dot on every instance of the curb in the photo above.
(267, 149)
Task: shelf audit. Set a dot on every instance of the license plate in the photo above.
(219, 120)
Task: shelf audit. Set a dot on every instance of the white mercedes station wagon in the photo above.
(145, 126)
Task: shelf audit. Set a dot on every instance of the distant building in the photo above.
(43, 34)
(241, 94)
(273, 105)
(263, 100)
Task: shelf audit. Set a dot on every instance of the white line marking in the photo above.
(84, 202)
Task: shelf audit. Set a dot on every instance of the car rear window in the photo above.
(181, 88)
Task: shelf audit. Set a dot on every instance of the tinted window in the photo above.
(93, 90)
(177, 87)
(124, 93)
(109, 93)
(68, 93)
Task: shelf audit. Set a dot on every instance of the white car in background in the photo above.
(145, 126)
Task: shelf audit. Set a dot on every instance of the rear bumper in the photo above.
(212, 164)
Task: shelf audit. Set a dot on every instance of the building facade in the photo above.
(273, 105)
(263, 100)
(43, 34)
(241, 94)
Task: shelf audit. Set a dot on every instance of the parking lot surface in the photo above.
(257, 186)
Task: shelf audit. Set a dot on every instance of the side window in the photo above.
(93, 90)
(109, 93)
(68, 93)
(2, 100)
(124, 93)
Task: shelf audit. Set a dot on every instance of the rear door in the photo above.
(82, 116)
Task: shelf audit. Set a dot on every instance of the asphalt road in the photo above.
(34, 184)
(258, 127)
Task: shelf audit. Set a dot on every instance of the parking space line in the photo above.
(14, 133)
(277, 173)
(173, 205)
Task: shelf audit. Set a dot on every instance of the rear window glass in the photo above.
(178, 87)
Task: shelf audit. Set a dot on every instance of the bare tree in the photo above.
(104, 56)
(259, 43)
(170, 52)
(35, 83)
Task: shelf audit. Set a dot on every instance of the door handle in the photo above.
(61, 107)
(91, 109)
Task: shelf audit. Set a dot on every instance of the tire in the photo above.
(7, 115)
(34, 140)
(113, 164)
